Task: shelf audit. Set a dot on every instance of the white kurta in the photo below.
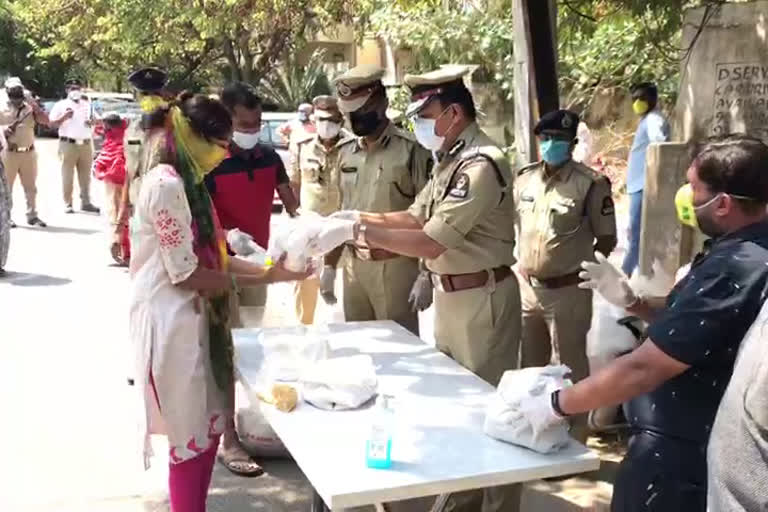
(168, 326)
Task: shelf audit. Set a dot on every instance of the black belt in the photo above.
(13, 148)
(134, 143)
(552, 282)
(74, 141)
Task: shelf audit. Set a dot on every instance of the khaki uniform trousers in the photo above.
(23, 165)
(555, 325)
(305, 294)
(480, 329)
(378, 290)
(80, 157)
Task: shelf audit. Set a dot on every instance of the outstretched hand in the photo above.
(278, 273)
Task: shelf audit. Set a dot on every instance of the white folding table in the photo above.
(438, 444)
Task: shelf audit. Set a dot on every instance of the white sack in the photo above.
(256, 435)
(281, 357)
(504, 419)
(292, 236)
(340, 383)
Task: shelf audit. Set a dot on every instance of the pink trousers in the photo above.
(188, 481)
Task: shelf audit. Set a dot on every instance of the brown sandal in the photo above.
(239, 462)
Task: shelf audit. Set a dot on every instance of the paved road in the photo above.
(68, 415)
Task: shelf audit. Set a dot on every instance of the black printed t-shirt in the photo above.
(706, 316)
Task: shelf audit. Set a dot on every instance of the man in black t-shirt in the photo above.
(673, 383)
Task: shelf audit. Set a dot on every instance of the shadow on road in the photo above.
(25, 279)
(60, 229)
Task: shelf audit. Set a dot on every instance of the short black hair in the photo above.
(240, 93)
(735, 164)
(645, 91)
(461, 96)
(112, 120)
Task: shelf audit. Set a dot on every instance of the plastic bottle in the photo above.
(378, 448)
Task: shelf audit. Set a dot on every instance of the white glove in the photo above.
(332, 234)
(240, 242)
(421, 293)
(610, 282)
(353, 215)
(327, 282)
(538, 411)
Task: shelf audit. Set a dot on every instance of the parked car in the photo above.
(127, 109)
(270, 122)
(43, 130)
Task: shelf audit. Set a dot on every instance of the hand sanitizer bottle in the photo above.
(378, 449)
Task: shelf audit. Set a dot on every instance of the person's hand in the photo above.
(327, 284)
(278, 273)
(332, 234)
(421, 294)
(353, 215)
(116, 249)
(68, 114)
(610, 282)
(538, 411)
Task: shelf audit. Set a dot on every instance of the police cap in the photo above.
(428, 85)
(563, 121)
(326, 107)
(357, 85)
(148, 79)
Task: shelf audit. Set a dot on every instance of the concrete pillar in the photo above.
(662, 237)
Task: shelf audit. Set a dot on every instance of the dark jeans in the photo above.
(661, 474)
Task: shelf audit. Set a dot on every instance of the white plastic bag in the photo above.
(291, 237)
(256, 436)
(340, 383)
(583, 151)
(504, 419)
(242, 245)
(276, 358)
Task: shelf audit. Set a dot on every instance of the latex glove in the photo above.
(240, 242)
(327, 284)
(353, 215)
(610, 282)
(538, 411)
(332, 234)
(421, 293)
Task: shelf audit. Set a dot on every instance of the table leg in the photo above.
(318, 505)
(440, 502)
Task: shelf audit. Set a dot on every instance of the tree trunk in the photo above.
(235, 72)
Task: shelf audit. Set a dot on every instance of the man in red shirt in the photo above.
(242, 188)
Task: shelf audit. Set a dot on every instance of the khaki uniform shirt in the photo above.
(468, 206)
(24, 136)
(560, 216)
(315, 168)
(384, 176)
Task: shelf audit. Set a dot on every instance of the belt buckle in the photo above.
(437, 283)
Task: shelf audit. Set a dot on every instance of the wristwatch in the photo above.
(555, 397)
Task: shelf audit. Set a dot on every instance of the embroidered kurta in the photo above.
(168, 324)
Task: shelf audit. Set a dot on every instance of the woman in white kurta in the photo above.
(180, 276)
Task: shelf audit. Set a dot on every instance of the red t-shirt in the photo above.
(242, 188)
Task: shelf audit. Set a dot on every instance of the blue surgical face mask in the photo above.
(555, 152)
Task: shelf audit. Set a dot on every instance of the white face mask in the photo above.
(75, 95)
(245, 140)
(327, 129)
(424, 130)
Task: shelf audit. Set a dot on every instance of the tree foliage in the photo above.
(191, 38)
(294, 83)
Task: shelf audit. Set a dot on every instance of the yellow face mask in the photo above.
(686, 213)
(640, 107)
(204, 156)
(151, 103)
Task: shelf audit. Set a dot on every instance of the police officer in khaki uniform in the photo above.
(463, 226)
(140, 155)
(382, 169)
(19, 116)
(315, 175)
(565, 214)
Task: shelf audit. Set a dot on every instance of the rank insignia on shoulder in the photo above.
(608, 208)
(460, 188)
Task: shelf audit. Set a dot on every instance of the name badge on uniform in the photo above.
(460, 188)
